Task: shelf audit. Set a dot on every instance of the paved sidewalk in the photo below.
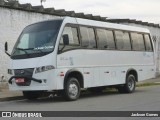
(5, 94)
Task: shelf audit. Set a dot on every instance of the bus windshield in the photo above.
(37, 40)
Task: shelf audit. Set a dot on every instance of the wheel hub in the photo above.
(131, 83)
(73, 90)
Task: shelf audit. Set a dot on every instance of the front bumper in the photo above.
(26, 77)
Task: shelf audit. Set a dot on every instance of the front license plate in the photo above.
(19, 80)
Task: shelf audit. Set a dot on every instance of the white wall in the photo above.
(12, 23)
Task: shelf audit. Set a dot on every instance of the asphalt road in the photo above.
(144, 99)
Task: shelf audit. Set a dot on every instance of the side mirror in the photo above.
(6, 49)
(6, 46)
(66, 39)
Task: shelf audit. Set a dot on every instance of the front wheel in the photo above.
(71, 90)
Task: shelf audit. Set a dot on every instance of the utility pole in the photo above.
(42, 1)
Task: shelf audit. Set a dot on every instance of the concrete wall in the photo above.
(12, 23)
(155, 32)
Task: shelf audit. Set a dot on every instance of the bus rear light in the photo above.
(44, 68)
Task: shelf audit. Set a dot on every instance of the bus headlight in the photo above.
(44, 68)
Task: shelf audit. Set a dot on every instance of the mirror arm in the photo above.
(7, 53)
(62, 48)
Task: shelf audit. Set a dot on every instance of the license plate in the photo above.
(19, 80)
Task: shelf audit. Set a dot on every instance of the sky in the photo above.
(145, 10)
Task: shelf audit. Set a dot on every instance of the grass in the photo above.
(147, 84)
(138, 85)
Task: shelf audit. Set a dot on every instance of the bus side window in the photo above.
(127, 41)
(73, 39)
(88, 37)
(110, 39)
(102, 39)
(148, 43)
(106, 39)
(141, 42)
(119, 40)
(137, 42)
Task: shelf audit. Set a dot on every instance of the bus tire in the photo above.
(129, 86)
(31, 95)
(71, 90)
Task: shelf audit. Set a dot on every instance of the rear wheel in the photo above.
(71, 90)
(31, 95)
(130, 85)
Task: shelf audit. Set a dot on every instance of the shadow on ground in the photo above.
(84, 95)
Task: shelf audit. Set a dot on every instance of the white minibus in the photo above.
(66, 55)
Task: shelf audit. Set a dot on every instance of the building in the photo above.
(15, 16)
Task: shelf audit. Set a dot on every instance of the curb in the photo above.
(11, 98)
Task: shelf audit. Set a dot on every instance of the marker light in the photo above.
(44, 68)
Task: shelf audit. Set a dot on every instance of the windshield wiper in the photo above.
(23, 50)
(34, 49)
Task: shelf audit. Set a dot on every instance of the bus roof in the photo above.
(100, 24)
(95, 23)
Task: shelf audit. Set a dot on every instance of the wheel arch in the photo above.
(133, 72)
(74, 73)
